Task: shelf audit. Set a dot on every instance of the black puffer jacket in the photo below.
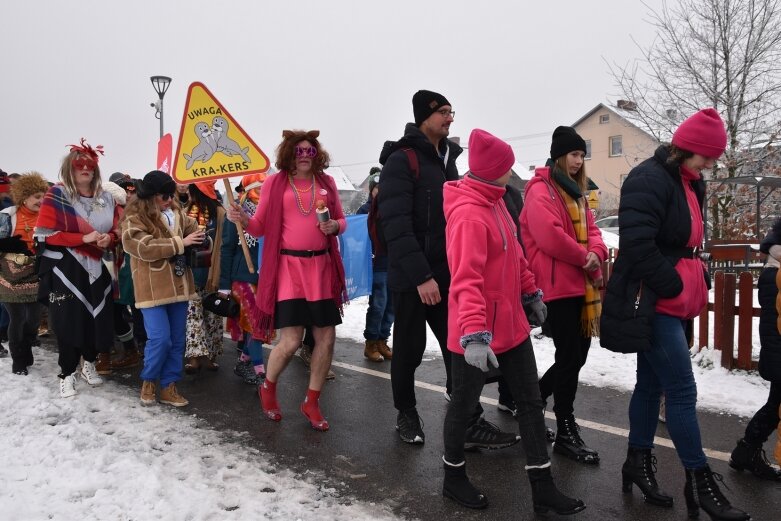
(769, 338)
(654, 225)
(412, 218)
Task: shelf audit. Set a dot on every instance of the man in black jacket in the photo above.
(413, 222)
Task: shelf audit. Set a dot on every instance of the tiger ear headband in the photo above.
(86, 149)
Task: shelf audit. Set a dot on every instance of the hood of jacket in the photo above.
(470, 191)
(415, 138)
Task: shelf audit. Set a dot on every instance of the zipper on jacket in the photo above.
(501, 228)
(427, 241)
(637, 298)
(553, 272)
(493, 322)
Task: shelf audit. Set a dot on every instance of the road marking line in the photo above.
(664, 442)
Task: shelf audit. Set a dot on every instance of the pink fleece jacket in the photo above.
(489, 272)
(690, 301)
(555, 257)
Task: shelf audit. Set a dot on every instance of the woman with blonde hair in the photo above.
(565, 252)
(18, 278)
(155, 233)
(78, 223)
(301, 280)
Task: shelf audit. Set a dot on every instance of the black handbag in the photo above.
(221, 305)
(200, 256)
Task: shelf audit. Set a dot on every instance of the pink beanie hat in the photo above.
(702, 133)
(489, 157)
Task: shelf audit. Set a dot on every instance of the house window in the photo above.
(588, 149)
(604, 118)
(622, 179)
(616, 146)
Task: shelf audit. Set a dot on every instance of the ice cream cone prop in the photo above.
(240, 228)
(323, 215)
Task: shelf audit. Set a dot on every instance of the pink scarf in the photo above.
(266, 297)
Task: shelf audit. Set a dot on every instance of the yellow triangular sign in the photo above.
(212, 144)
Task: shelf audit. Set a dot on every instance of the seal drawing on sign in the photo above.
(225, 144)
(206, 146)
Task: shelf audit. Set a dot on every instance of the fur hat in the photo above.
(28, 184)
(564, 141)
(425, 103)
(116, 191)
(489, 157)
(702, 133)
(156, 182)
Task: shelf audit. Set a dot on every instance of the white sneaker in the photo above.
(90, 374)
(68, 386)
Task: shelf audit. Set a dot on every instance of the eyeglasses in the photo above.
(166, 197)
(306, 151)
(445, 113)
(84, 162)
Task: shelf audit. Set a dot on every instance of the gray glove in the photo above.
(539, 310)
(480, 355)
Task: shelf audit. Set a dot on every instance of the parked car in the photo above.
(608, 224)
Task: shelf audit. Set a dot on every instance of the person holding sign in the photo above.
(301, 280)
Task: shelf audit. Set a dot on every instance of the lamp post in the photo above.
(160, 83)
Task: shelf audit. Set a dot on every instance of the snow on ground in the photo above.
(101, 455)
(734, 392)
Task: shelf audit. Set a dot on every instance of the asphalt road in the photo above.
(362, 456)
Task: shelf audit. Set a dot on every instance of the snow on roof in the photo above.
(342, 181)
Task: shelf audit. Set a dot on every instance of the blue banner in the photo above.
(356, 250)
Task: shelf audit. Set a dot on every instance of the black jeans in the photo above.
(561, 379)
(519, 369)
(765, 421)
(409, 343)
(22, 332)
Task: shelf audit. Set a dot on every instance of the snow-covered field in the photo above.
(101, 455)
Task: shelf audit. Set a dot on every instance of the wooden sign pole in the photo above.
(240, 228)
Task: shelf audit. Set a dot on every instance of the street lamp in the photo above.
(160, 83)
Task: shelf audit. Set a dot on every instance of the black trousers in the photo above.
(22, 332)
(765, 421)
(519, 369)
(561, 379)
(409, 343)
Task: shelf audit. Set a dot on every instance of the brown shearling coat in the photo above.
(154, 280)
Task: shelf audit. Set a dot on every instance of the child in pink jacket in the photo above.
(487, 324)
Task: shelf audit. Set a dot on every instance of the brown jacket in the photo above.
(154, 280)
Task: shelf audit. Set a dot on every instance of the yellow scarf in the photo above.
(592, 305)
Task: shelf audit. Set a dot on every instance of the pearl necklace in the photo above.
(298, 193)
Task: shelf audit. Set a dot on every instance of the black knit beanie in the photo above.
(565, 140)
(156, 182)
(425, 103)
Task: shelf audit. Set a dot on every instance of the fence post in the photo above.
(718, 310)
(704, 321)
(745, 316)
(727, 318)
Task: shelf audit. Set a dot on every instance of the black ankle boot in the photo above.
(753, 459)
(701, 491)
(640, 469)
(458, 488)
(569, 443)
(546, 496)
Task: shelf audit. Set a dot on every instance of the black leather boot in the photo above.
(569, 443)
(458, 488)
(546, 496)
(701, 491)
(753, 459)
(640, 469)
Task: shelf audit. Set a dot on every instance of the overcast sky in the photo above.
(349, 68)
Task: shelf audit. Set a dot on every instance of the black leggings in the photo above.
(22, 332)
(765, 421)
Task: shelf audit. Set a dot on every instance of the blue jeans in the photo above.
(164, 352)
(667, 368)
(379, 316)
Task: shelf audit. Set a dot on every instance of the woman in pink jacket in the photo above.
(486, 322)
(565, 251)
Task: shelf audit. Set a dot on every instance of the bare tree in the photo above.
(724, 54)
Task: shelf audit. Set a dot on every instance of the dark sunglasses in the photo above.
(306, 151)
(166, 197)
(84, 162)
